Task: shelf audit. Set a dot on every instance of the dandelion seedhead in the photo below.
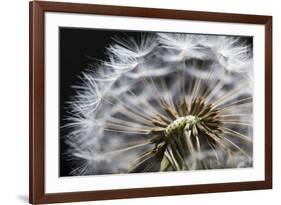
(163, 102)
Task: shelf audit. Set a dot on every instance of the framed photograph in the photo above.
(139, 102)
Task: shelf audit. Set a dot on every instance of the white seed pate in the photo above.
(179, 124)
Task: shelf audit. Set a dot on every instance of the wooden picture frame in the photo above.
(37, 10)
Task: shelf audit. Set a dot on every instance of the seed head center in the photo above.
(179, 124)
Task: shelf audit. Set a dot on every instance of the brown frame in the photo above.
(36, 141)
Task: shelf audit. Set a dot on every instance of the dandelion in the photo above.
(162, 103)
(182, 46)
(231, 53)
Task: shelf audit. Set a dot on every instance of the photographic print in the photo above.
(137, 101)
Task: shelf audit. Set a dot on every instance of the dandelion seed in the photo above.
(182, 46)
(231, 54)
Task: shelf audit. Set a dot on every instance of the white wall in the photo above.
(14, 100)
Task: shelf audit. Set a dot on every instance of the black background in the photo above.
(79, 49)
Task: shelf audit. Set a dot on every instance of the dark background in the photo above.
(80, 49)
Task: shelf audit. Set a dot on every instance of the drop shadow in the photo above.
(23, 198)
